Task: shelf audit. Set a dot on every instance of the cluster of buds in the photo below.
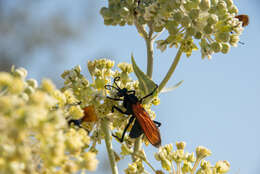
(93, 97)
(34, 134)
(188, 162)
(212, 22)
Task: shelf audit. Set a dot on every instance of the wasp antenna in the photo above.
(242, 43)
(117, 79)
(109, 87)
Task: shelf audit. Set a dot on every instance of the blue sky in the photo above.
(217, 106)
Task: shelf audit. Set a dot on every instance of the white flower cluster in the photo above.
(34, 136)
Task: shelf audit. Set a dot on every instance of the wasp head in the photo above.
(122, 92)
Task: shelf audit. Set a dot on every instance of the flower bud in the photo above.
(48, 86)
(105, 12)
(216, 47)
(29, 90)
(177, 16)
(213, 19)
(168, 148)
(222, 166)
(214, 2)
(109, 64)
(125, 67)
(225, 48)
(208, 29)
(20, 72)
(191, 157)
(108, 21)
(186, 21)
(75, 112)
(124, 12)
(186, 167)
(233, 9)
(221, 5)
(223, 37)
(166, 164)
(180, 145)
(132, 168)
(198, 35)
(125, 150)
(156, 101)
(194, 13)
(229, 2)
(202, 152)
(32, 82)
(157, 156)
(205, 164)
(90, 161)
(234, 39)
(159, 172)
(191, 31)
(204, 5)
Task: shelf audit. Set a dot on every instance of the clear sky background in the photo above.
(217, 105)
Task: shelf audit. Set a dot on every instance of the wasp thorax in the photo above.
(122, 92)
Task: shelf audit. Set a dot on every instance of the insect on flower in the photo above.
(142, 120)
(89, 116)
(244, 19)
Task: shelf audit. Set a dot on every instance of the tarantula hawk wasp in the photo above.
(142, 120)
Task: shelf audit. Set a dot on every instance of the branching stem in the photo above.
(172, 69)
(137, 147)
(195, 166)
(106, 130)
(178, 168)
(149, 48)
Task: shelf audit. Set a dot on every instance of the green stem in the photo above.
(179, 168)
(149, 49)
(171, 70)
(137, 148)
(140, 28)
(173, 168)
(111, 155)
(195, 166)
(139, 156)
(149, 45)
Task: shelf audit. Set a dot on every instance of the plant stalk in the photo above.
(171, 70)
(137, 148)
(149, 48)
(111, 155)
(195, 166)
(178, 168)
(173, 168)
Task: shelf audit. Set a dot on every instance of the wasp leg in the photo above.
(158, 124)
(75, 122)
(132, 91)
(149, 94)
(127, 126)
(136, 130)
(116, 99)
(120, 110)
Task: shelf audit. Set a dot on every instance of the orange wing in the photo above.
(89, 114)
(244, 19)
(150, 130)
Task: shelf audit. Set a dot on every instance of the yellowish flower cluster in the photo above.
(187, 162)
(34, 134)
(94, 94)
(212, 22)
